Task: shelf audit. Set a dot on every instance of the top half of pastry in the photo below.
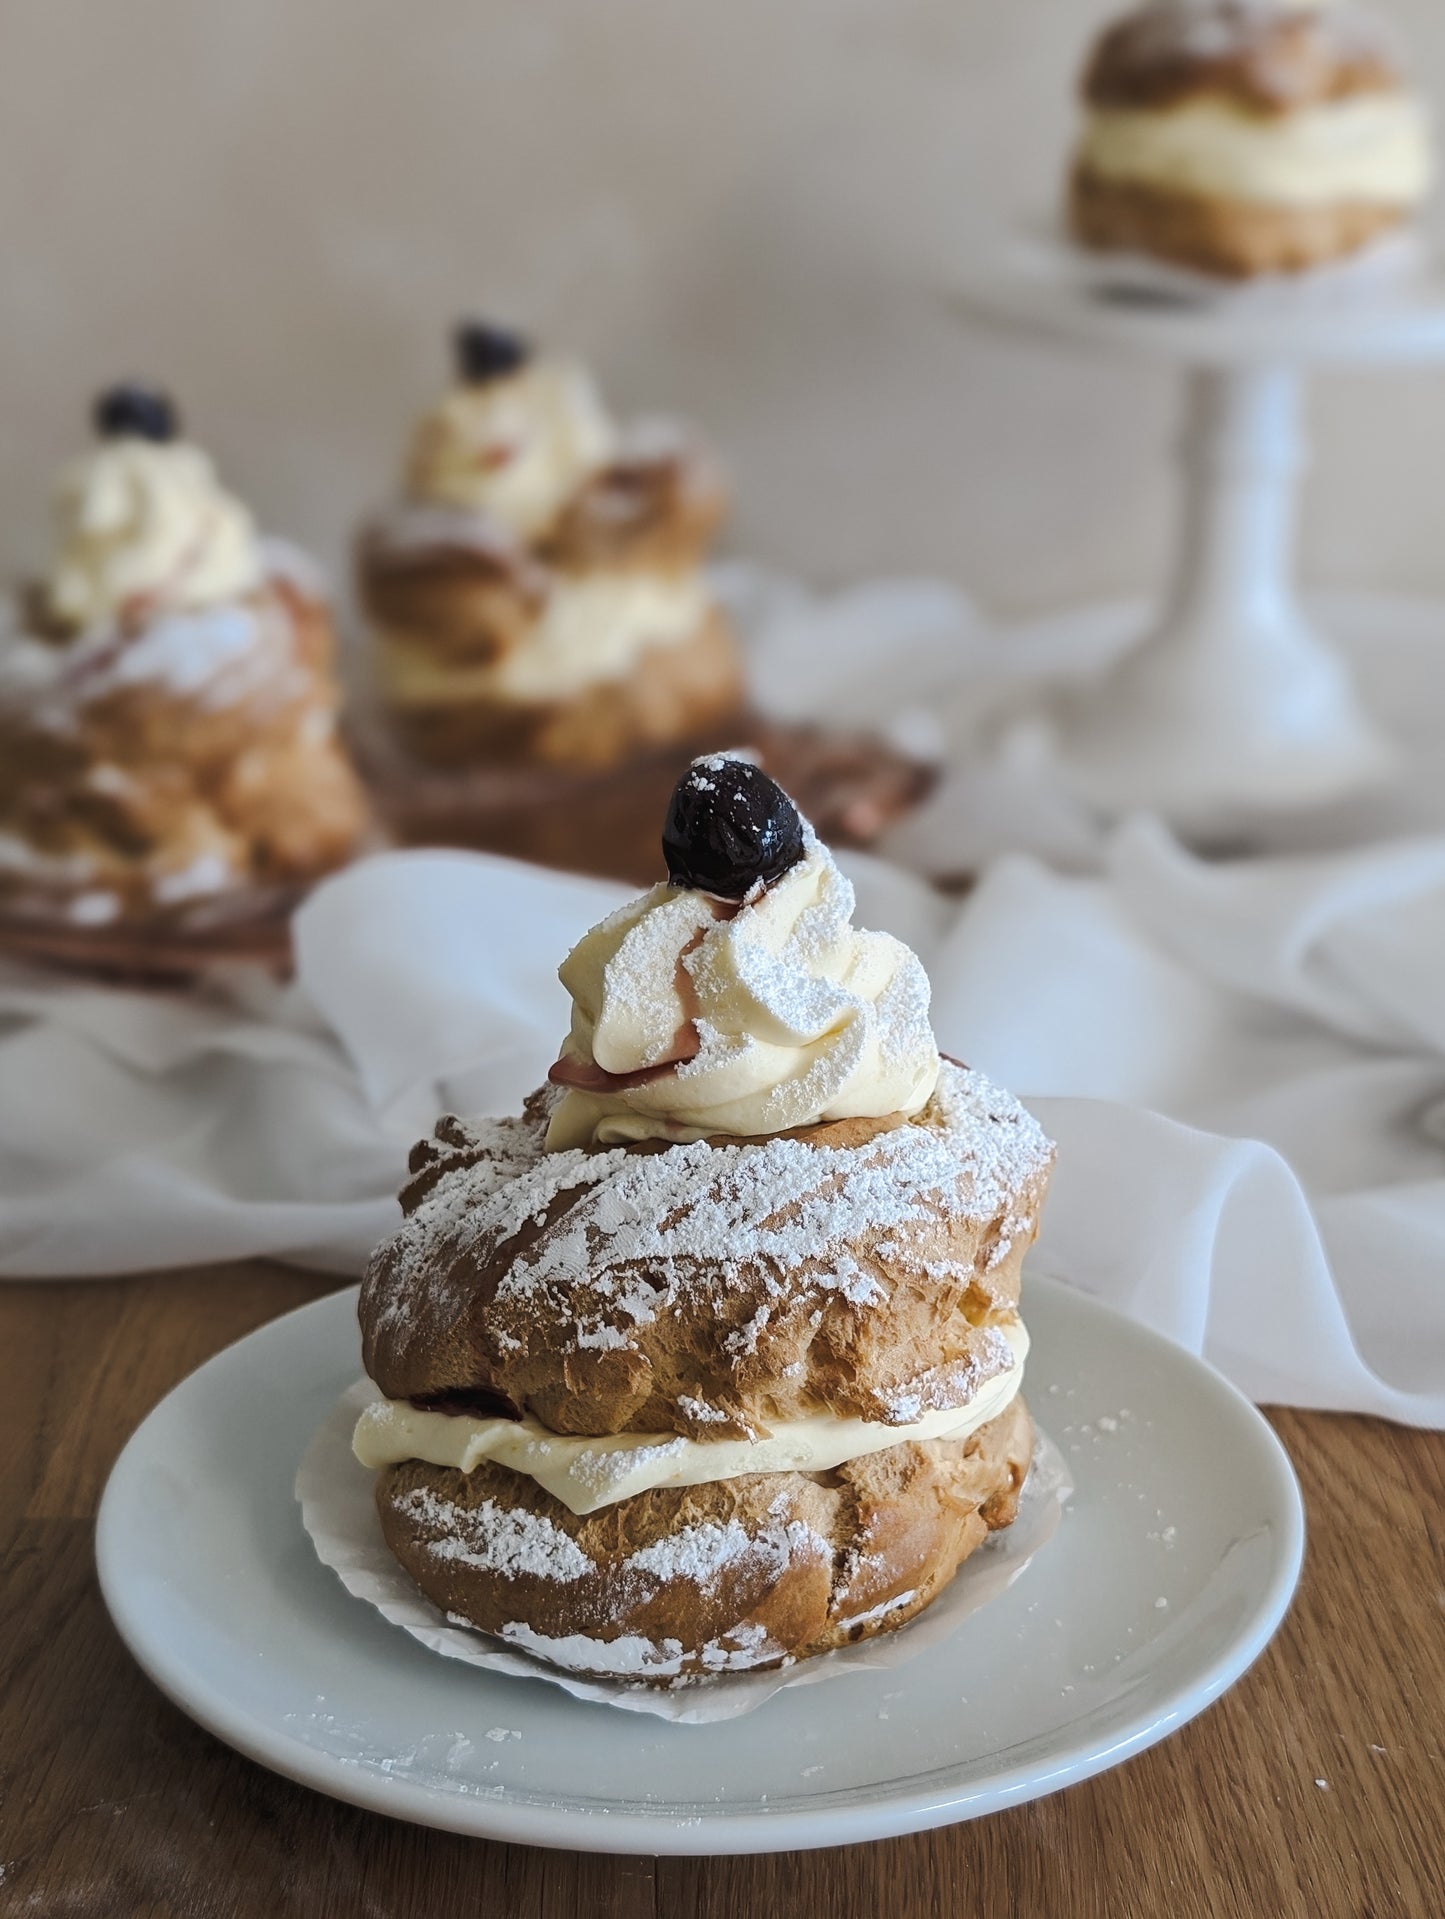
(752, 1190)
(161, 593)
(1291, 103)
(519, 469)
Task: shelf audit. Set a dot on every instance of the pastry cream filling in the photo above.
(591, 631)
(586, 1474)
(1374, 148)
(145, 526)
(517, 448)
(793, 1014)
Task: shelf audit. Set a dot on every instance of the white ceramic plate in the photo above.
(1174, 1564)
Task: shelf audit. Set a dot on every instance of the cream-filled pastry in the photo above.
(665, 1401)
(168, 704)
(1241, 137)
(537, 595)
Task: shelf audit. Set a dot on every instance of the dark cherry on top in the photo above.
(132, 411)
(729, 828)
(485, 352)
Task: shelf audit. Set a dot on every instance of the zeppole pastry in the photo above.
(1242, 137)
(168, 708)
(537, 596)
(710, 1359)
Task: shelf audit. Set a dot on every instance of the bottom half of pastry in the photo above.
(452, 714)
(731, 1575)
(178, 770)
(124, 823)
(1231, 238)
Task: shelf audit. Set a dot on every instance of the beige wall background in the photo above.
(745, 211)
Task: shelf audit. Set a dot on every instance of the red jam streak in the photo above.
(588, 1077)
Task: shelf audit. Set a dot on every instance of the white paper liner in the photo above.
(338, 1511)
(1373, 276)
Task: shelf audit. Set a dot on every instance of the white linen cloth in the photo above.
(1293, 1001)
(139, 1131)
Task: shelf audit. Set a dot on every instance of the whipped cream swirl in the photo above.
(516, 448)
(145, 527)
(694, 1016)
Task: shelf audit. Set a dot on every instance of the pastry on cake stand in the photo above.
(1247, 137)
(1205, 241)
(171, 773)
(548, 650)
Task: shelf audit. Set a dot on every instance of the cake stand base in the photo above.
(1232, 705)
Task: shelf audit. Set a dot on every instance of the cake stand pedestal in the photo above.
(1231, 705)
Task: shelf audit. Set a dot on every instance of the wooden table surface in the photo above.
(1315, 1788)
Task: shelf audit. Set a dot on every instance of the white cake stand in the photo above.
(1232, 705)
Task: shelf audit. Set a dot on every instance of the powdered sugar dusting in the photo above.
(701, 1553)
(795, 1014)
(76, 880)
(630, 1656)
(600, 1471)
(895, 1604)
(497, 1539)
(512, 1542)
(700, 1413)
(217, 657)
(501, 1151)
(636, 1236)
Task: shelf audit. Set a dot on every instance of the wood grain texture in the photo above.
(113, 1803)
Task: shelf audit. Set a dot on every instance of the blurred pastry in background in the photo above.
(549, 654)
(168, 707)
(537, 596)
(1244, 137)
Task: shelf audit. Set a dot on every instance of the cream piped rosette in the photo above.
(145, 527)
(704, 1017)
(516, 447)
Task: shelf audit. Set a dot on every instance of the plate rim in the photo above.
(624, 1830)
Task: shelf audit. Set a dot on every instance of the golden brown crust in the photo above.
(1232, 238)
(1270, 59)
(453, 1148)
(461, 607)
(740, 1573)
(711, 1290)
(672, 692)
(115, 794)
(658, 511)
